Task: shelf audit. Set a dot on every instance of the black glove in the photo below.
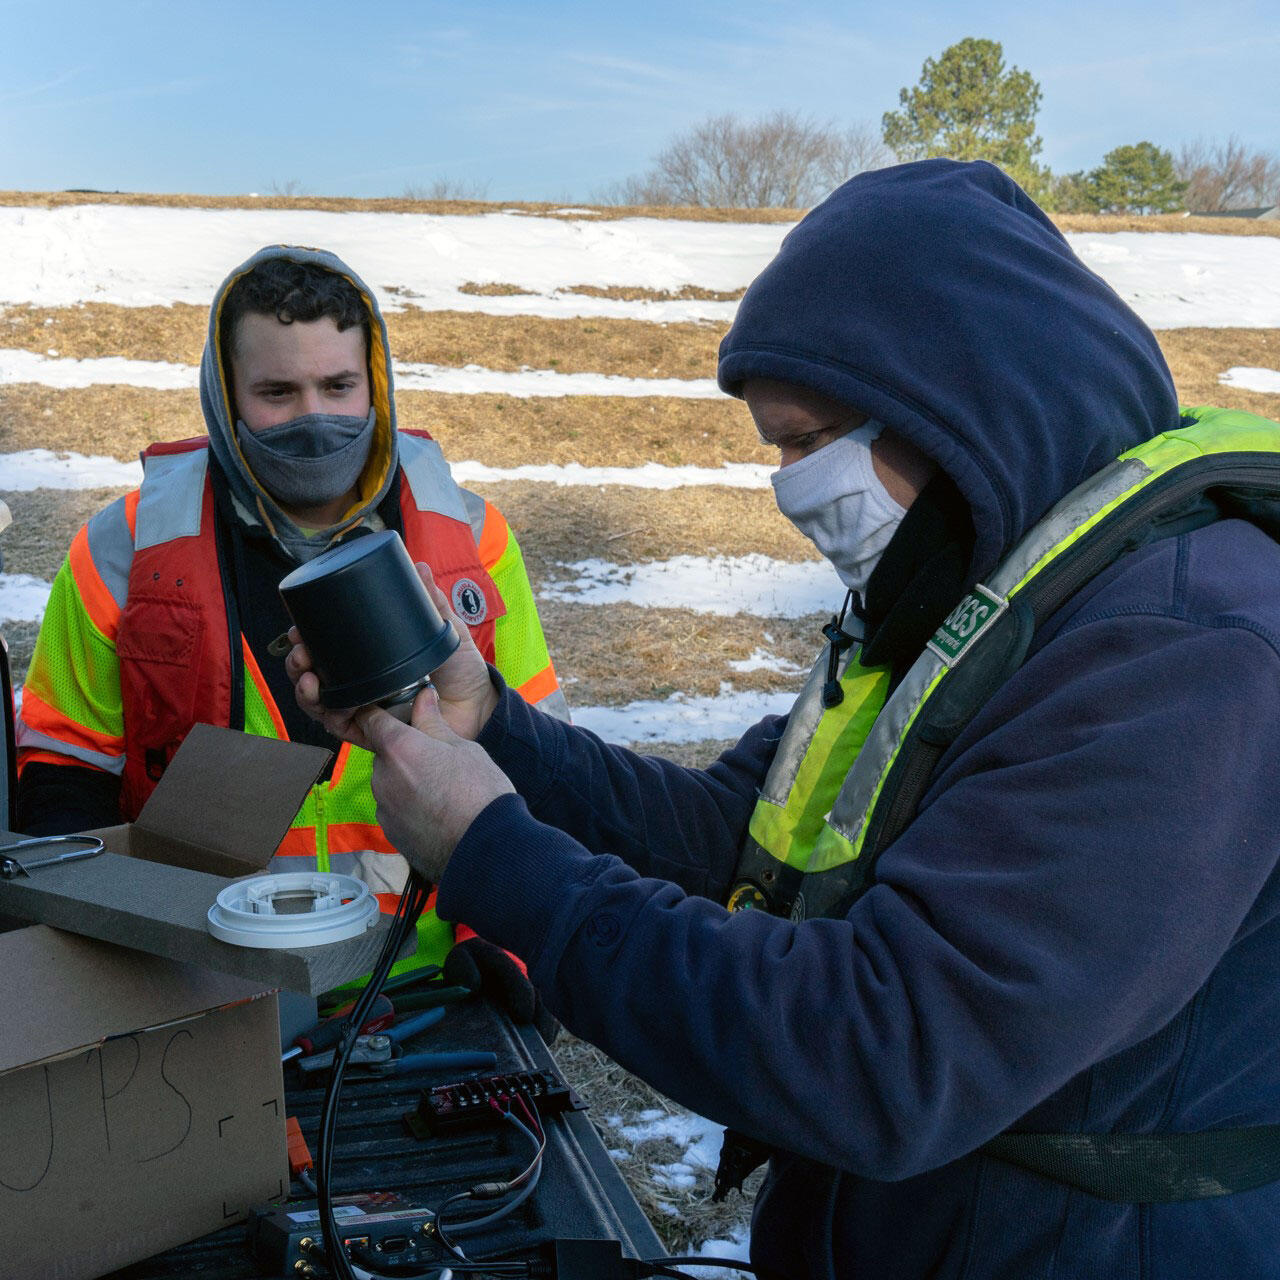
(488, 970)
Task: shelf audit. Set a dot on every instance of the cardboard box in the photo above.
(142, 1104)
(224, 803)
(219, 812)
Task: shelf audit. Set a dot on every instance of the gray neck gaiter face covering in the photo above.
(309, 461)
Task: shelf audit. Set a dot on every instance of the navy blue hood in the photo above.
(938, 298)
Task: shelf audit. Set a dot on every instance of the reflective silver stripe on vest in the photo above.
(172, 498)
(555, 704)
(802, 724)
(430, 481)
(27, 737)
(852, 809)
(475, 506)
(111, 549)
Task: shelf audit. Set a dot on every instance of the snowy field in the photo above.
(134, 257)
(131, 257)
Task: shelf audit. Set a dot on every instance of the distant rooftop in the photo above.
(1267, 213)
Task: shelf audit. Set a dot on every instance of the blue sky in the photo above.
(555, 100)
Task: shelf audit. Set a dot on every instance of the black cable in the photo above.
(832, 693)
(521, 1185)
(413, 901)
(662, 1266)
(453, 1251)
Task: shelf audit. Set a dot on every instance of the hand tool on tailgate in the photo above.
(326, 1034)
(376, 1054)
(415, 989)
(366, 1051)
(11, 867)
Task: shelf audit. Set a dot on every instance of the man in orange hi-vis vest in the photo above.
(166, 610)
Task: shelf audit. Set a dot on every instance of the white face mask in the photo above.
(834, 497)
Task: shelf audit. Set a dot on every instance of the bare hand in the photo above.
(430, 784)
(466, 694)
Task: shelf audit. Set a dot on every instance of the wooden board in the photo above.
(163, 910)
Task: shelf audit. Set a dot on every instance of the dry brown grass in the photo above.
(1198, 356)
(630, 348)
(593, 430)
(497, 430)
(683, 1218)
(617, 292)
(681, 213)
(1102, 222)
(116, 422)
(572, 344)
(633, 293)
(96, 329)
(391, 204)
(494, 290)
(559, 525)
(44, 522)
(605, 655)
(616, 654)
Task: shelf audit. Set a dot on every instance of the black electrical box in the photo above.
(389, 1180)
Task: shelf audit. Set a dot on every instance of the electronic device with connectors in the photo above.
(287, 1238)
(469, 1104)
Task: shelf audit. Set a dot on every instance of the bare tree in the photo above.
(446, 188)
(855, 150)
(1225, 175)
(783, 160)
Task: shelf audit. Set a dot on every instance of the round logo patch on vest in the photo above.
(747, 897)
(469, 602)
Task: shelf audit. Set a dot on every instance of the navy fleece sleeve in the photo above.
(1090, 850)
(685, 825)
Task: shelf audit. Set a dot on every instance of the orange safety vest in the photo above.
(173, 643)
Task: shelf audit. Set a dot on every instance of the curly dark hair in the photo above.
(292, 291)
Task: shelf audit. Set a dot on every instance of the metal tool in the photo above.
(12, 867)
(365, 1051)
(448, 1060)
(326, 1034)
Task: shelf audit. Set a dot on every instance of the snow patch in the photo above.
(752, 584)
(1252, 379)
(699, 1139)
(763, 660)
(683, 718)
(67, 374)
(470, 380)
(1184, 279)
(22, 597)
(526, 383)
(139, 256)
(44, 469)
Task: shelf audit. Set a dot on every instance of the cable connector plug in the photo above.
(584, 1260)
(490, 1190)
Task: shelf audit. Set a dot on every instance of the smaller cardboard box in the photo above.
(219, 812)
(142, 1104)
(224, 803)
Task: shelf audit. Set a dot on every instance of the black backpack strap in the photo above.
(1148, 1168)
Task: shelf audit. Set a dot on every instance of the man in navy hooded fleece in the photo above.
(1078, 931)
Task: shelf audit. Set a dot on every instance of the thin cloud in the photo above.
(130, 94)
(629, 66)
(31, 91)
(1153, 59)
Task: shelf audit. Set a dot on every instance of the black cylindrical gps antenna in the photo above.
(374, 633)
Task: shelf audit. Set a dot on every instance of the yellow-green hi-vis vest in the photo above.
(846, 780)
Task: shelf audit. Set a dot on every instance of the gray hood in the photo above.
(253, 504)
